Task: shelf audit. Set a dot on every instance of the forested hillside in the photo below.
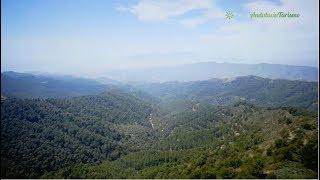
(245, 127)
(256, 90)
(240, 141)
(45, 135)
(116, 135)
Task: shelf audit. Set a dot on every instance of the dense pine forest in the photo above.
(247, 127)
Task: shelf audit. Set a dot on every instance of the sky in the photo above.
(94, 36)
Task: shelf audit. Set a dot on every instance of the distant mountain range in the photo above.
(25, 85)
(44, 86)
(253, 89)
(208, 70)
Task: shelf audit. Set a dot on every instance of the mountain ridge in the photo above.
(207, 70)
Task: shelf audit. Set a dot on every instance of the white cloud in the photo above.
(122, 9)
(154, 10)
(262, 6)
(212, 13)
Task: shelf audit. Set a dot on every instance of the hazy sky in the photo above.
(90, 36)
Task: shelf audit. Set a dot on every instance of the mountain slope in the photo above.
(40, 86)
